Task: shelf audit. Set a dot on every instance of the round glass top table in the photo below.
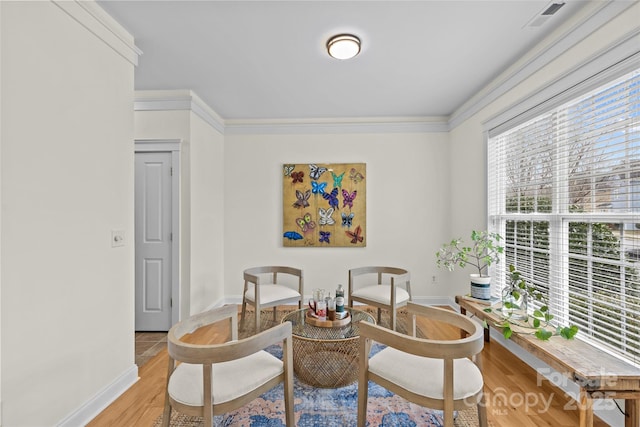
(326, 357)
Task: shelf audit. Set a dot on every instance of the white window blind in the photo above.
(564, 191)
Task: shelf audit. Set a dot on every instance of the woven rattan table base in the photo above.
(326, 357)
(326, 364)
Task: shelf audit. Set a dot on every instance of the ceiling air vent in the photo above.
(553, 8)
(543, 16)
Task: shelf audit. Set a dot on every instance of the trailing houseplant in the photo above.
(515, 310)
(483, 250)
(516, 295)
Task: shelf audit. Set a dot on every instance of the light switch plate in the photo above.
(117, 238)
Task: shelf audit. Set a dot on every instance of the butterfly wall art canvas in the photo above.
(316, 199)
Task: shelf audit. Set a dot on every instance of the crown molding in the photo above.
(606, 65)
(186, 100)
(334, 126)
(601, 13)
(172, 100)
(91, 16)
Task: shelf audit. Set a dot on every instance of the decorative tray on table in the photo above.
(310, 319)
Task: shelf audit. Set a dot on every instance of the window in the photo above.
(564, 191)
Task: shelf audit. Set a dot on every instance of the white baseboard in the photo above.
(101, 400)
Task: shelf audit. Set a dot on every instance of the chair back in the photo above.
(211, 357)
(253, 274)
(222, 352)
(288, 288)
(469, 346)
(402, 275)
(458, 358)
(389, 295)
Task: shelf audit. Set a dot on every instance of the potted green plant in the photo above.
(526, 307)
(483, 250)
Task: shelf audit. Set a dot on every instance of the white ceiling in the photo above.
(267, 59)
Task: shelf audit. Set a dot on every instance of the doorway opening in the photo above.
(157, 289)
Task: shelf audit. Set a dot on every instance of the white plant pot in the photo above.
(480, 286)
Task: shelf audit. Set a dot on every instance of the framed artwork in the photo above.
(324, 205)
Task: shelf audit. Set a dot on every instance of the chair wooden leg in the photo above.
(379, 315)
(288, 400)
(363, 395)
(392, 318)
(257, 318)
(208, 398)
(448, 419)
(447, 393)
(482, 410)
(166, 416)
(244, 311)
(274, 315)
(287, 360)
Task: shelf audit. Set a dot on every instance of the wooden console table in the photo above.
(597, 373)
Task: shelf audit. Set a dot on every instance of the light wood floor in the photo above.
(515, 394)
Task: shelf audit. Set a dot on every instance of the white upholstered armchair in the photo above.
(270, 286)
(210, 379)
(438, 374)
(382, 287)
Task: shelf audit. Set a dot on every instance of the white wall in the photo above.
(67, 181)
(468, 142)
(407, 196)
(207, 215)
(201, 198)
(590, 55)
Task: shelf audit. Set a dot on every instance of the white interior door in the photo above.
(153, 263)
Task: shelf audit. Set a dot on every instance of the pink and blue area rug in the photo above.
(331, 408)
(336, 408)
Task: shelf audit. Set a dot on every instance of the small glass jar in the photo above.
(514, 303)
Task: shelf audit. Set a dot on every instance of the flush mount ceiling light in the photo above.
(343, 46)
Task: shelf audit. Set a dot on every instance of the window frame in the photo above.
(560, 217)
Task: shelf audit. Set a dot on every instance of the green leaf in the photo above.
(536, 323)
(569, 332)
(485, 324)
(488, 310)
(543, 334)
(537, 313)
(506, 332)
